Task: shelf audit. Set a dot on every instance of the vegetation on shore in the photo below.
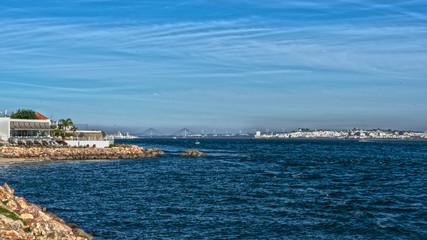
(62, 126)
(24, 114)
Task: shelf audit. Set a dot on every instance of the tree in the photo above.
(55, 130)
(24, 114)
(64, 125)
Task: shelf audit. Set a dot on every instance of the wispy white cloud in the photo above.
(396, 7)
(73, 46)
(274, 45)
(66, 89)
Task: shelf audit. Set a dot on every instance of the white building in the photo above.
(24, 128)
(4, 129)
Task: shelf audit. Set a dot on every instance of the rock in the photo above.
(31, 209)
(12, 204)
(22, 220)
(26, 216)
(81, 233)
(193, 153)
(40, 229)
(10, 234)
(8, 223)
(21, 202)
(158, 151)
(8, 189)
(72, 225)
(5, 192)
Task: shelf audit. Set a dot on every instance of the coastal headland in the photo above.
(23, 154)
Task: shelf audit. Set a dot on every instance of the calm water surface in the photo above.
(245, 189)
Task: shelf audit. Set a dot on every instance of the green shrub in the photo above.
(11, 215)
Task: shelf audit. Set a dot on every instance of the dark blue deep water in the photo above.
(245, 189)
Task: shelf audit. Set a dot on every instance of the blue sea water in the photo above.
(244, 189)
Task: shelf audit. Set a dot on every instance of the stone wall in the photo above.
(66, 153)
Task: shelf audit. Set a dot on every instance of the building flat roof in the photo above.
(30, 125)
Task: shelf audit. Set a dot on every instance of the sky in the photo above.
(223, 65)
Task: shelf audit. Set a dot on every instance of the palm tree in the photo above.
(64, 124)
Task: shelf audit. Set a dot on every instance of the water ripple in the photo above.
(249, 189)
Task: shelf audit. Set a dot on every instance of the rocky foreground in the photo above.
(48, 154)
(22, 220)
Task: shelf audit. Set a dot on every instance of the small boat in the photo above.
(197, 142)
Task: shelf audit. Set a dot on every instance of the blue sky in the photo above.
(201, 64)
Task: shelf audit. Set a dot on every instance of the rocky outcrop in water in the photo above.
(22, 220)
(35, 153)
(193, 153)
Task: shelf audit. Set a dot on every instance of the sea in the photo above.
(244, 189)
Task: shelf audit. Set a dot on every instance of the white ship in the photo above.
(119, 135)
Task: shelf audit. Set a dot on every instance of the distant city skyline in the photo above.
(132, 65)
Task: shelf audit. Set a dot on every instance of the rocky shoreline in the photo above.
(10, 154)
(22, 220)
